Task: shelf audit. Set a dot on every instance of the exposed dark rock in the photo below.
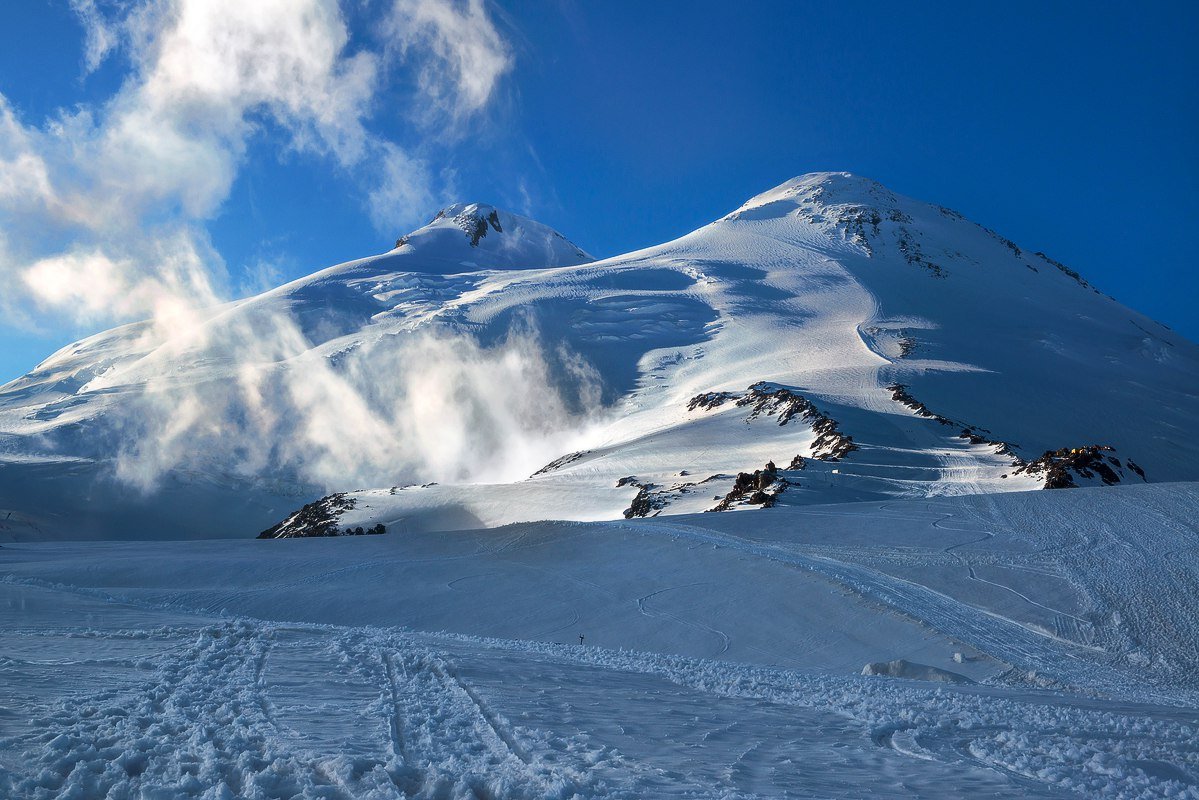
(709, 400)
(912, 253)
(1061, 467)
(769, 399)
(799, 462)
(651, 498)
(472, 224)
(1066, 270)
(475, 228)
(900, 394)
(559, 463)
(1008, 243)
(830, 444)
(1153, 336)
(641, 505)
(375, 531)
(854, 220)
(758, 488)
(318, 518)
(1001, 447)
(772, 400)
(645, 502)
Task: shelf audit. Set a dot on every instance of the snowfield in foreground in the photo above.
(722, 657)
(866, 386)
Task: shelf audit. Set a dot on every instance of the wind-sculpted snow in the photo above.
(486, 346)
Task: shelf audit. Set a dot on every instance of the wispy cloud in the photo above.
(459, 53)
(101, 33)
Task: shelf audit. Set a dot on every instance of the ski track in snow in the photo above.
(115, 694)
(204, 723)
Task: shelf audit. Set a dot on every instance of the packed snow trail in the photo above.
(454, 716)
(215, 669)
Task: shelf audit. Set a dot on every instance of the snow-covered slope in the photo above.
(682, 657)
(867, 345)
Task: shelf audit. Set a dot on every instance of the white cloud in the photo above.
(403, 185)
(99, 284)
(462, 54)
(101, 34)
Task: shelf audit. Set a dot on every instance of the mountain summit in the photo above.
(828, 341)
(476, 235)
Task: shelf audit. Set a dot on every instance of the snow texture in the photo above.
(487, 371)
(721, 657)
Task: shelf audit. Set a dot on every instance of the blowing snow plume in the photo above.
(418, 406)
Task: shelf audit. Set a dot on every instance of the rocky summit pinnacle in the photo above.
(483, 236)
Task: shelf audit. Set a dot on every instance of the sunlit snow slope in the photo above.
(868, 345)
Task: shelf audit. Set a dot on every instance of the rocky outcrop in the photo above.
(319, 518)
(710, 400)
(559, 463)
(1063, 269)
(1063, 468)
(758, 488)
(647, 501)
(901, 394)
(910, 249)
(474, 220)
(768, 399)
(1060, 469)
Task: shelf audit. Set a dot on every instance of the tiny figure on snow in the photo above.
(580, 638)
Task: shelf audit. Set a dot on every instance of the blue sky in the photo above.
(620, 124)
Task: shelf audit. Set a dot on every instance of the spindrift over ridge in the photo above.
(828, 341)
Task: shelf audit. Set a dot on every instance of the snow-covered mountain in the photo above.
(828, 341)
